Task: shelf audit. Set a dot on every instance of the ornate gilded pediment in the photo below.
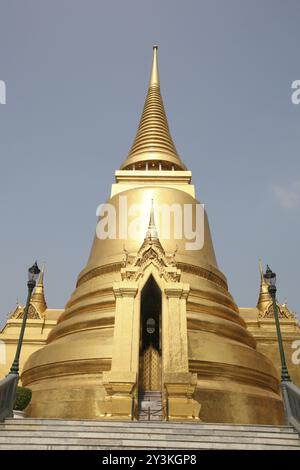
(33, 314)
(283, 312)
(151, 252)
(16, 312)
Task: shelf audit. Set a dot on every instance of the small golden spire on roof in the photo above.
(262, 279)
(151, 234)
(153, 141)
(38, 297)
(264, 297)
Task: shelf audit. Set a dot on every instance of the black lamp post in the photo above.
(33, 274)
(270, 279)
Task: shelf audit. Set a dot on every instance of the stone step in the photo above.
(150, 403)
(150, 400)
(94, 434)
(31, 429)
(188, 426)
(152, 418)
(78, 447)
(90, 435)
(150, 406)
(153, 406)
(48, 443)
(150, 394)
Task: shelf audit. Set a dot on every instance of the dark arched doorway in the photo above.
(150, 338)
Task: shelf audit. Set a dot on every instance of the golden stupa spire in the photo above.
(154, 78)
(151, 234)
(38, 297)
(264, 297)
(261, 271)
(153, 147)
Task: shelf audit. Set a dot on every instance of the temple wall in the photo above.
(266, 339)
(35, 338)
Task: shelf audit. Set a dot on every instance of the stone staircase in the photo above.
(150, 406)
(48, 434)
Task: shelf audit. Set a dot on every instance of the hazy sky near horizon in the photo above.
(76, 74)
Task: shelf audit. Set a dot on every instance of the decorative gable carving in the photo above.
(151, 252)
(283, 312)
(32, 313)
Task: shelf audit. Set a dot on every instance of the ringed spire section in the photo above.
(153, 147)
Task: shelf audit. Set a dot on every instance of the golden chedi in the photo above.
(150, 314)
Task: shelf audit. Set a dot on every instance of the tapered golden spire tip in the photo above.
(38, 298)
(264, 297)
(152, 230)
(151, 220)
(261, 271)
(153, 143)
(41, 276)
(154, 78)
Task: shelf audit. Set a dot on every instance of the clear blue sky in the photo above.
(76, 75)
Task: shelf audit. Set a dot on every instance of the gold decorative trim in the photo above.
(184, 267)
(223, 299)
(202, 272)
(89, 295)
(105, 269)
(217, 312)
(236, 332)
(221, 371)
(68, 368)
(104, 306)
(97, 323)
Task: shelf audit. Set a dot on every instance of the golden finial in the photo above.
(152, 230)
(38, 298)
(151, 221)
(41, 276)
(153, 141)
(262, 279)
(264, 297)
(154, 78)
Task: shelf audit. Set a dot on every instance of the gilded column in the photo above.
(179, 383)
(120, 382)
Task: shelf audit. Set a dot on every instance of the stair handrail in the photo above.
(158, 411)
(8, 387)
(291, 400)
